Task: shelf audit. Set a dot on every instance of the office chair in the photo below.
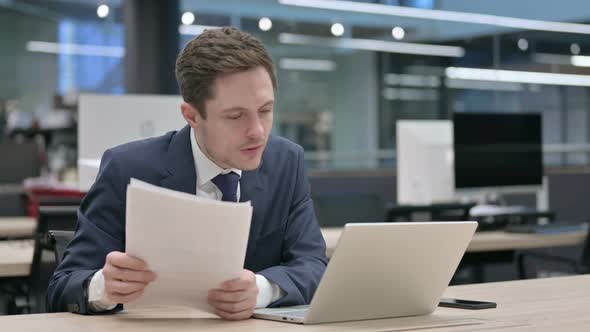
(28, 293)
(62, 218)
(59, 240)
(581, 266)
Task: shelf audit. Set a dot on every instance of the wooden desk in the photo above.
(16, 257)
(540, 305)
(17, 227)
(495, 241)
(491, 241)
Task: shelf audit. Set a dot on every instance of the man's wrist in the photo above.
(268, 292)
(97, 299)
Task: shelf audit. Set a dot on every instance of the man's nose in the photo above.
(255, 128)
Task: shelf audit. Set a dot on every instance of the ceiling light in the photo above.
(523, 44)
(337, 29)
(187, 18)
(581, 61)
(494, 75)
(265, 24)
(412, 80)
(575, 49)
(482, 85)
(373, 45)
(306, 64)
(398, 33)
(441, 15)
(195, 29)
(102, 11)
(76, 49)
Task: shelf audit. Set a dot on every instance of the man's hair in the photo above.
(213, 53)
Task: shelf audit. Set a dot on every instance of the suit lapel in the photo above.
(180, 164)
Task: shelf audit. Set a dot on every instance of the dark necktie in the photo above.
(228, 185)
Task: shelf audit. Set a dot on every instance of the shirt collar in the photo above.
(205, 168)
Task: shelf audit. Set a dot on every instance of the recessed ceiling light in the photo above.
(265, 24)
(523, 44)
(398, 33)
(102, 11)
(337, 29)
(187, 18)
(575, 49)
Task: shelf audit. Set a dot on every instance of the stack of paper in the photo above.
(192, 243)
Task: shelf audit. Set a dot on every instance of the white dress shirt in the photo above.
(206, 170)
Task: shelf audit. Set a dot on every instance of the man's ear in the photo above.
(190, 114)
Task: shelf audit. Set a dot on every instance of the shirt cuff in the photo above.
(97, 300)
(268, 292)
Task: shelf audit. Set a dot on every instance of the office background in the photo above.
(340, 103)
(345, 78)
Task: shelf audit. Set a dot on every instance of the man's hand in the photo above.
(125, 277)
(236, 299)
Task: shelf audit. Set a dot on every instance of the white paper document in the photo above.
(192, 243)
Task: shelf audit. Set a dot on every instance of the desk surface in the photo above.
(11, 227)
(557, 304)
(16, 257)
(492, 241)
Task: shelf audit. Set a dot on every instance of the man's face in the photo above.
(239, 119)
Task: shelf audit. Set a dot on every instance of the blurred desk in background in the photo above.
(17, 227)
(16, 257)
(492, 241)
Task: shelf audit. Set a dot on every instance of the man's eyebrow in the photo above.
(240, 108)
(268, 103)
(235, 108)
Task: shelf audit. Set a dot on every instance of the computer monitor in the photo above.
(105, 121)
(424, 162)
(498, 150)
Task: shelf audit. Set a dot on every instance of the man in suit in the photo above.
(226, 152)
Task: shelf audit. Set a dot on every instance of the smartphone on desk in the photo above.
(465, 304)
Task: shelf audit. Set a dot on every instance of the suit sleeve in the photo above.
(100, 230)
(304, 250)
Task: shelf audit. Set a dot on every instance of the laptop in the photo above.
(383, 270)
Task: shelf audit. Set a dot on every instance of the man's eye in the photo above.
(265, 111)
(235, 116)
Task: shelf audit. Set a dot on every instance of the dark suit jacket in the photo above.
(285, 244)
